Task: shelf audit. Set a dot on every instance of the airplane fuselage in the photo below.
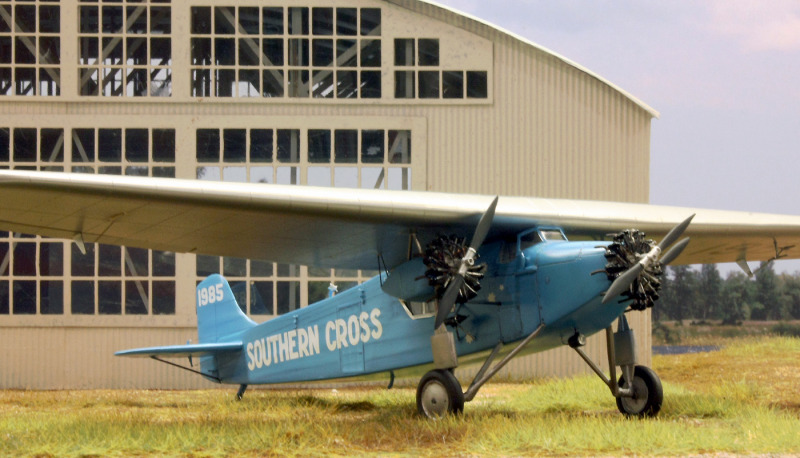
(364, 330)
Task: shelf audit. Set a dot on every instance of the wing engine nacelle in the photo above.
(409, 282)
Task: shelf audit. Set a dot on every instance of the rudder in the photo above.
(219, 317)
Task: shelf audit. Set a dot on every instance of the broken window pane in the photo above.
(109, 294)
(453, 85)
(372, 146)
(319, 145)
(82, 298)
(346, 146)
(261, 145)
(371, 21)
(428, 51)
(109, 145)
(477, 85)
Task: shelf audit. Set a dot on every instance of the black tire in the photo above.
(647, 394)
(439, 394)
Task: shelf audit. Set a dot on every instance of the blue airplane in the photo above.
(463, 279)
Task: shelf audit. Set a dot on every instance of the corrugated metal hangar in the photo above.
(394, 94)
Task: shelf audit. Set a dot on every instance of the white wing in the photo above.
(344, 228)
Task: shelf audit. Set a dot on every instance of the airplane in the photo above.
(463, 279)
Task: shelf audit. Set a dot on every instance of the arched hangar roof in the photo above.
(490, 31)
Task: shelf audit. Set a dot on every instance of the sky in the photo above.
(723, 74)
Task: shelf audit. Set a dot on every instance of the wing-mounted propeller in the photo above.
(635, 264)
(452, 267)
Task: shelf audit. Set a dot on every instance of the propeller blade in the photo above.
(623, 282)
(675, 233)
(484, 225)
(448, 300)
(674, 252)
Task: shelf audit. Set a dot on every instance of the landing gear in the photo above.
(638, 391)
(439, 394)
(647, 394)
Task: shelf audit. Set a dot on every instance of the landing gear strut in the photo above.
(638, 391)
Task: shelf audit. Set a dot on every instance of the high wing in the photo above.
(344, 228)
(175, 351)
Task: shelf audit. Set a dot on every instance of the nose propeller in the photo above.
(634, 264)
(463, 265)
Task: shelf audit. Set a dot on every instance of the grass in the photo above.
(744, 399)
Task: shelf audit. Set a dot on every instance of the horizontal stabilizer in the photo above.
(176, 351)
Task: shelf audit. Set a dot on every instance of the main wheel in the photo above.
(647, 394)
(439, 394)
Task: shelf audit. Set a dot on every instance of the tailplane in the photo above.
(219, 318)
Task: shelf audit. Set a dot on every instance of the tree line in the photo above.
(702, 295)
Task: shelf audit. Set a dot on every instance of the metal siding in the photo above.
(550, 130)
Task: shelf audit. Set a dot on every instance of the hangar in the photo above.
(392, 94)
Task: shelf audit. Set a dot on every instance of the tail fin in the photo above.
(218, 315)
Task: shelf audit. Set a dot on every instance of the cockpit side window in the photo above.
(528, 240)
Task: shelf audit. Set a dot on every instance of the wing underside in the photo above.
(344, 228)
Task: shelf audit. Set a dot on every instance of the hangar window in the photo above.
(30, 48)
(418, 74)
(30, 148)
(299, 52)
(125, 48)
